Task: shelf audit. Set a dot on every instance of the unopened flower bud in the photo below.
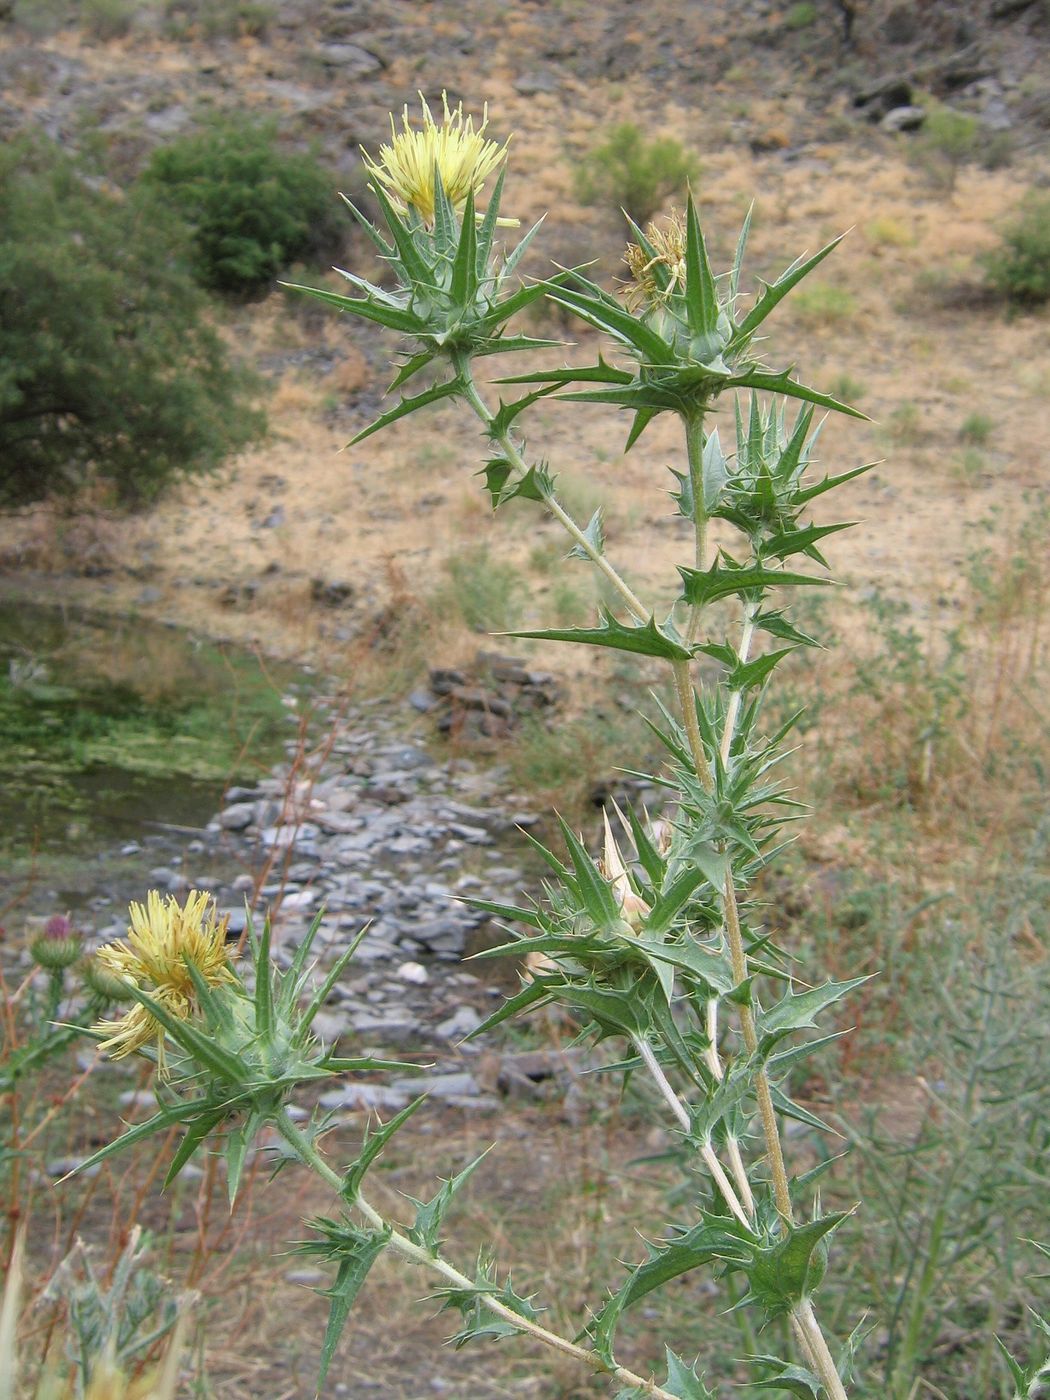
(58, 946)
(632, 906)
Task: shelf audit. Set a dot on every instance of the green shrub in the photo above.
(218, 19)
(801, 16)
(40, 17)
(108, 19)
(634, 174)
(108, 365)
(253, 208)
(488, 593)
(948, 139)
(977, 429)
(821, 304)
(1020, 268)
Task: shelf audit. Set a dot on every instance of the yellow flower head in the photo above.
(463, 158)
(668, 244)
(162, 938)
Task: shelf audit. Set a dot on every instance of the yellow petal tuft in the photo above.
(462, 157)
(163, 938)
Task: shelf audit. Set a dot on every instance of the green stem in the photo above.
(694, 446)
(416, 1254)
(804, 1321)
(513, 455)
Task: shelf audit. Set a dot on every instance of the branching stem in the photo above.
(308, 1154)
(681, 1112)
(513, 455)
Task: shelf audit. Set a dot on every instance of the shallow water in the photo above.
(114, 731)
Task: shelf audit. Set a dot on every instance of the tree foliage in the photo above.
(254, 209)
(110, 368)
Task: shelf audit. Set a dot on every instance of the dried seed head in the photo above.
(647, 287)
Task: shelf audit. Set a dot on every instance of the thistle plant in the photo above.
(656, 944)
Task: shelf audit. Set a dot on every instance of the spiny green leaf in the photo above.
(195, 1134)
(183, 1112)
(602, 372)
(595, 892)
(701, 299)
(673, 899)
(411, 367)
(713, 1240)
(796, 1010)
(416, 269)
(752, 673)
(830, 482)
(320, 996)
(795, 1380)
(607, 315)
(431, 1214)
(777, 625)
(264, 973)
(204, 1049)
(775, 292)
(370, 309)
(595, 536)
(537, 992)
(409, 405)
(360, 1249)
(487, 228)
(715, 473)
(683, 1381)
(800, 541)
(781, 1275)
(645, 639)
(465, 266)
(707, 586)
(235, 1149)
(290, 986)
(782, 383)
(741, 248)
(372, 1145)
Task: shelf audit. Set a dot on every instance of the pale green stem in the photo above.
(513, 455)
(714, 1064)
(694, 445)
(416, 1254)
(736, 696)
(680, 1111)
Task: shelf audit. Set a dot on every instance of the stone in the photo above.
(459, 1025)
(351, 60)
(370, 1096)
(413, 972)
(529, 84)
(903, 119)
(237, 817)
(457, 1084)
(330, 593)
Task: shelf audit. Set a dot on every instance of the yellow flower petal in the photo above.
(163, 937)
(462, 157)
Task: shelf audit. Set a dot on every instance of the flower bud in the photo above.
(58, 946)
(632, 906)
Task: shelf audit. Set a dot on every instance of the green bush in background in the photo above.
(109, 367)
(1020, 268)
(253, 208)
(628, 172)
